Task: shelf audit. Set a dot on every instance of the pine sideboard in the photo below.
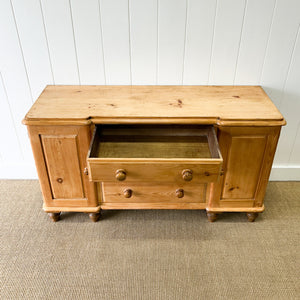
(153, 147)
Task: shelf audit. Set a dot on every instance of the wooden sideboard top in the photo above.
(222, 105)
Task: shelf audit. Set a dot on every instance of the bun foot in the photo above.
(54, 216)
(211, 216)
(252, 216)
(95, 216)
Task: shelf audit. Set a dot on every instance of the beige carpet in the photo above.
(148, 254)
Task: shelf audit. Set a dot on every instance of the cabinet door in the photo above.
(60, 154)
(248, 154)
(62, 160)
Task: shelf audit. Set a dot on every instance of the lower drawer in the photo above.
(153, 193)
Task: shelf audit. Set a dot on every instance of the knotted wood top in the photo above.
(221, 105)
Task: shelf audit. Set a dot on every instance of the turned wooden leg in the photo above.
(54, 216)
(95, 216)
(252, 216)
(211, 216)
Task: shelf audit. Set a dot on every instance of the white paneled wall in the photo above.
(88, 41)
(143, 41)
(191, 42)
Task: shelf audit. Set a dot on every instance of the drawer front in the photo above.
(153, 193)
(161, 154)
(154, 171)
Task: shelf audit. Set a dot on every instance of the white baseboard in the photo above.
(18, 171)
(28, 171)
(285, 173)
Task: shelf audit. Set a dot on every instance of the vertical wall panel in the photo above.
(34, 45)
(10, 148)
(14, 75)
(295, 155)
(143, 37)
(147, 42)
(257, 24)
(59, 29)
(171, 40)
(276, 67)
(227, 34)
(199, 36)
(280, 47)
(290, 108)
(116, 44)
(88, 37)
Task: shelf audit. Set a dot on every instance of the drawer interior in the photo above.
(148, 141)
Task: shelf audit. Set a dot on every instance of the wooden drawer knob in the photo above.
(59, 180)
(179, 193)
(187, 175)
(127, 193)
(120, 175)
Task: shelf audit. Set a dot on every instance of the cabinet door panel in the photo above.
(248, 154)
(243, 167)
(61, 155)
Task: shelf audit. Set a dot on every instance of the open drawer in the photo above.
(160, 153)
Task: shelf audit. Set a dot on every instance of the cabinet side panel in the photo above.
(84, 139)
(272, 142)
(243, 168)
(61, 156)
(33, 132)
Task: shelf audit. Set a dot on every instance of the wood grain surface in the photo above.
(147, 192)
(60, 154)
(169, 104)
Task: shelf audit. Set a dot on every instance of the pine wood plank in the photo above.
(248, 154)
(149, 193)
(236, 209)
(48, 170)
(69, 208)
(150, 205)
(225, 105)
(154, 170)
(61, 155)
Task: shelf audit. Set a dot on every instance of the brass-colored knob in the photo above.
(187, 175)
(127, 193)
(179, 193)
(120, 175)
(86, 171)
(59, 180)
